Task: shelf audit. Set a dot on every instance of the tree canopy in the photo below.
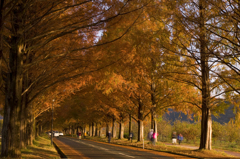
(102, 61)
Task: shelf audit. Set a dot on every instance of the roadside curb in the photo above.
(62, 155)
(67, 151)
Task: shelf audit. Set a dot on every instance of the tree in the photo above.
(139, 73)
(226, 33)
(30, 28)
(191, 41)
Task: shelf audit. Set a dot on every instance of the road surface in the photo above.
(86, 149)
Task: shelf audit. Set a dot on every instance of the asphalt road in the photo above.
(97, 150)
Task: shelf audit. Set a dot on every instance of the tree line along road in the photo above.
(86, 149)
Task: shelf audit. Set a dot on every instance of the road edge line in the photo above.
(62, 155)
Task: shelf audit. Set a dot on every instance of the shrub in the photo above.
(217, 131)
(126, 135)
(164, 130)
(189, 131)
(233, 131)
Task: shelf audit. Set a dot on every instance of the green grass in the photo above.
(41, 148)
(160, 146)
(231, 146)
(223, 145)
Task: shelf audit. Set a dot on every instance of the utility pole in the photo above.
(52, 125)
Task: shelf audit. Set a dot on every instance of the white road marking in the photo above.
(104, 149)
(101, 148)
(126, 155)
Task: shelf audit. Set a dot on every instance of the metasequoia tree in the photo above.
(112, 95)
(112, 103)
(79, 110)
(32, 27)
(226, 33)
(112, 87)
(142, 65)
(192, 41)
(131, 74)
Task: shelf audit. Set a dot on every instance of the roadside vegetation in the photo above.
(225, 136)
(161, 147)
(41, 148)
(84, 65)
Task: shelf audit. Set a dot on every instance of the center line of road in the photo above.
(104, 149)
(91, 145)
(101, 148)
(126, 155)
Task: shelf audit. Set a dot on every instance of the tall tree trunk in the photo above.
(30, 126)
(206, 123)
(70, 130)
(121, 129)
(15, 85)
(33, 128)
(152, 119)
(206, 130)
(5, 127)
(24, 114)
(6, 117)
(22, 126)
(140, 120)
(15, 102)
(100, 129)
(114, 127)
(140, 130)
(74, 130)
(36, 130)
(153, 113)
(23, 130)
(130, 125)
(90, 129)
(40, 129)
(93, 129)
(97, 129)
(107, 128)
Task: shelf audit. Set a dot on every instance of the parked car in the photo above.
(56, 134)
(51, 133)
(60, 133)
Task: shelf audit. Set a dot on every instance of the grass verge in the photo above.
(169, 149)
(222, 145)
(41, 148)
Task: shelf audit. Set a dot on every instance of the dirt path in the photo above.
(232, 153)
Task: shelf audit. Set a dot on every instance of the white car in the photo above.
(60, 133)
(56, 134)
